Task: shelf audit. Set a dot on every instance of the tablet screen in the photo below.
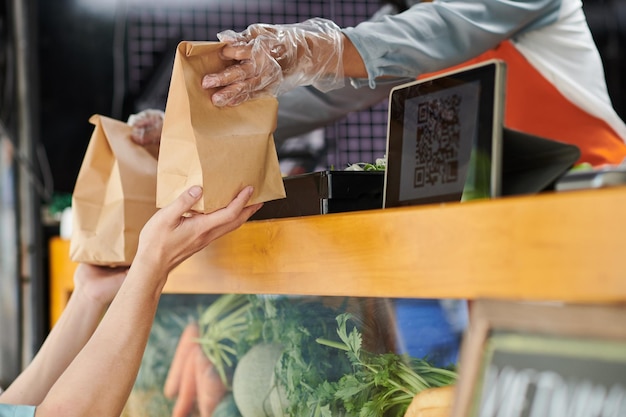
(443, 137)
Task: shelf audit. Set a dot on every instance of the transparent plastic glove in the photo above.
(147, 126)
(273, 59)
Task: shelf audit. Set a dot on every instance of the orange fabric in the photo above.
(535, 106)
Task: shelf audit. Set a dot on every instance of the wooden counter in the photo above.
(568, 246)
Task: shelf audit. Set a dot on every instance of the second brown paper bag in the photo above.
(114, 195)
(221, 149)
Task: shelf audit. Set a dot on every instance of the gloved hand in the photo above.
(147, 126)
(273, 59)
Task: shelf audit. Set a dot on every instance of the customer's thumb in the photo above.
(187, 199)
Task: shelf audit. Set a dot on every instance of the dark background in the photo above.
(116, 59)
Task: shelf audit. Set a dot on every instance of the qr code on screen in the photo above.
(437, 141)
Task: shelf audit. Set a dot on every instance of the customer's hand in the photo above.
(173, 233)
(273, 59)
(98, 284)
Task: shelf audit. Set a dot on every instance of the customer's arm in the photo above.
(98, 382)
(99, 379)
(94, 288)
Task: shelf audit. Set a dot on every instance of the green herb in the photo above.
(379, 165)
(320, 375)
(305, 368)
(381, 384)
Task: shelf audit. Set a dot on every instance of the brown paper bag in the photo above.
(114, 196)
(220, 149)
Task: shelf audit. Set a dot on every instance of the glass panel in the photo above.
(260, 355)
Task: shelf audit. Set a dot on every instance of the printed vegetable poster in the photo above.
(258, 355)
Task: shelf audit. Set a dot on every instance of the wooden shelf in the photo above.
(558, 246)
(565, 246)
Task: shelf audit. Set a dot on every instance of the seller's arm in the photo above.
(306, 108)
(427, 37)
(436, 35)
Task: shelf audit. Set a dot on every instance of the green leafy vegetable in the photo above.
(321, 376)
(379, 165)
(381, 384)
(305, 366)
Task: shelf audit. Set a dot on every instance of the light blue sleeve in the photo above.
(304, 109)
(10, 410)
(433, 36)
